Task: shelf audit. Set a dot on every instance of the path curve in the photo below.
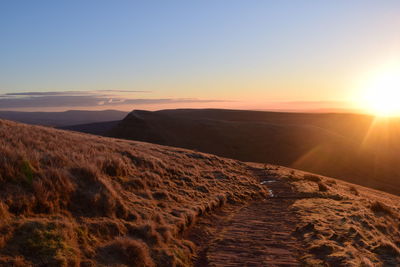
(258, 234)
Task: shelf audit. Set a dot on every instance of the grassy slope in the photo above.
(75, 199)
(343, 224)
(69, 198)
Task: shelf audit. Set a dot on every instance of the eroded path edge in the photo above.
(258, 233)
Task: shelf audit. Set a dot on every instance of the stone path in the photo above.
(258, 234)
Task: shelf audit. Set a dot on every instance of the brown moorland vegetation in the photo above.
(341, 224)
(71, 199)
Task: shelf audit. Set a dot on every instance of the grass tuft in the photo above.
(312, 178)
(129, 252)
(381, 209)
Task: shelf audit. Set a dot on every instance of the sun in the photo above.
(381, 95)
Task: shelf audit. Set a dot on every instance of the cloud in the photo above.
(81, 99)
(45, 93)
(70, 93)
(123, 91)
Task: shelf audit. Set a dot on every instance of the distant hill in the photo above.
(352, 147)
(67, 118)
(97, 128)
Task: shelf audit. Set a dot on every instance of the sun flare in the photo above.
(381, 96)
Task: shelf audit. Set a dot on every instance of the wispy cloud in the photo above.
(100, 98)
(70, 93)
(123, 91)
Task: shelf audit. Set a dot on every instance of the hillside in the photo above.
(66, 118)
(352, 147)
(69, 198)
(72, 199)
(97, 128)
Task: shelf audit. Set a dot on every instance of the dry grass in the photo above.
(126, 251)
(347, 225)
(69, 199)
(380, 208)
(322, 187)
(312, 178)
(354, 190)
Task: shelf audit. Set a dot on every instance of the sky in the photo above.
(299, 54)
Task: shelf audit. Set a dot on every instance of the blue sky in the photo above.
(253, 51)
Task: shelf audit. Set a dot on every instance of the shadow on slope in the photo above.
(329, 144)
